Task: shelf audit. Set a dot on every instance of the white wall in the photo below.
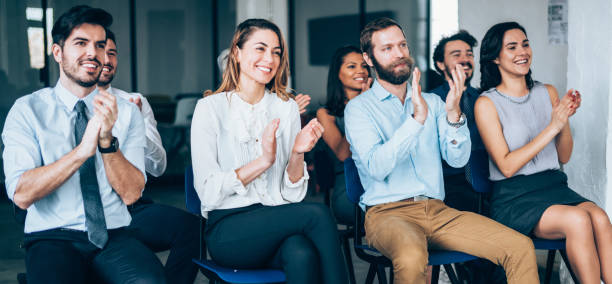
(549, 61)
(589, 71)
(589, 63)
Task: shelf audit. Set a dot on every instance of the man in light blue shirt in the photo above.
(74, 157)
(397, 137)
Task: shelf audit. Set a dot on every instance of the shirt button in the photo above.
(256, 140)
(454, 142)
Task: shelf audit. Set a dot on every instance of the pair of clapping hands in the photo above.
(99, 127)
(457, 86)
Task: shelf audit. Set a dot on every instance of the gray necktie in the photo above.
(94, 213)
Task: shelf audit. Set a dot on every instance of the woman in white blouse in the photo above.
(248, 162)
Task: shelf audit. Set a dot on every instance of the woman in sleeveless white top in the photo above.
(525, 128)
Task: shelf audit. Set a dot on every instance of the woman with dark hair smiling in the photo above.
(249, 171)
(525, 128)
(347, 78)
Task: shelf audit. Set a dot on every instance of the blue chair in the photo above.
(379, 262)
(479, 165)
(214, 272)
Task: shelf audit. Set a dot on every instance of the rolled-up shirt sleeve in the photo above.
(379, 157)
(21, 151)
(294, 191)
(155, 154)
(212, 183)
(455, 143)
(133, 147)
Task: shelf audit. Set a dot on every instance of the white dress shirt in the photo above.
(226, 135)
(39, 130)
(155, 155)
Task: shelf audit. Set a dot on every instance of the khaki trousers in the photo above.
(403, 230)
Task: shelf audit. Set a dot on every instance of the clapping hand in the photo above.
(565, 108)
(457, 86)
(419, 104)
(105, 108)
(137, 101)
(268, 141)
(308, 137)
(303, 101)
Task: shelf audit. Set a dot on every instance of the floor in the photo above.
(168, 191)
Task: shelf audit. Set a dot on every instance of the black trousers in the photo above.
(161, 227)
(300, 238)
(62, 256)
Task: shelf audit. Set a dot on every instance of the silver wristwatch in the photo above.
(459, 123)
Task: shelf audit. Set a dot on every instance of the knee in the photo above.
(578, 222)
(413, 260)
(600, 219)
(522, 246)
(299, 251)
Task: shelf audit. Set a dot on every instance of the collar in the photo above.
(381, 93)
(69, 100)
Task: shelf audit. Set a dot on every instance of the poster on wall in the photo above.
(557, 22)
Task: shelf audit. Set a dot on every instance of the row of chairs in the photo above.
(378, 262)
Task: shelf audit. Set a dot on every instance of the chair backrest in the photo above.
(192, 201)
(479, 166)
(354, 189)
(184, 111)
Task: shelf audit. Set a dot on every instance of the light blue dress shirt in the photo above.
(396, 156)
(39, 130)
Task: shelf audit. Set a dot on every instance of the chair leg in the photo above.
(550, 262)
(391, 276)
(451, 274)
(569, 267)
(371, 274)
(382, 274)
(347, 256)
(435, 274)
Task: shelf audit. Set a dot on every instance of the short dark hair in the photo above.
(110, 35)
(492, 44)
(372, 27)
(77, 16)
(336, 97)
(462, 35)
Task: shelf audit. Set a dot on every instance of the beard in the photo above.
(467, 79)
(86, 81)
(387, 73)
(106, 79)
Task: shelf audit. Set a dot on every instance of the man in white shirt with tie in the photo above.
(74, 158)
(158, 226)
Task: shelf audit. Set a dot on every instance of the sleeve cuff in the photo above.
(457, 136)
(297, 184)
(232, 184)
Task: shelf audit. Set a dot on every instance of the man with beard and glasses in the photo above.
(398, 137)
(160, 227)
(74, 158)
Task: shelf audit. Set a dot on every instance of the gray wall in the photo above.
(174, 46)
(311, 79)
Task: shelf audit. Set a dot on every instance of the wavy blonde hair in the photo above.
(231, 75)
